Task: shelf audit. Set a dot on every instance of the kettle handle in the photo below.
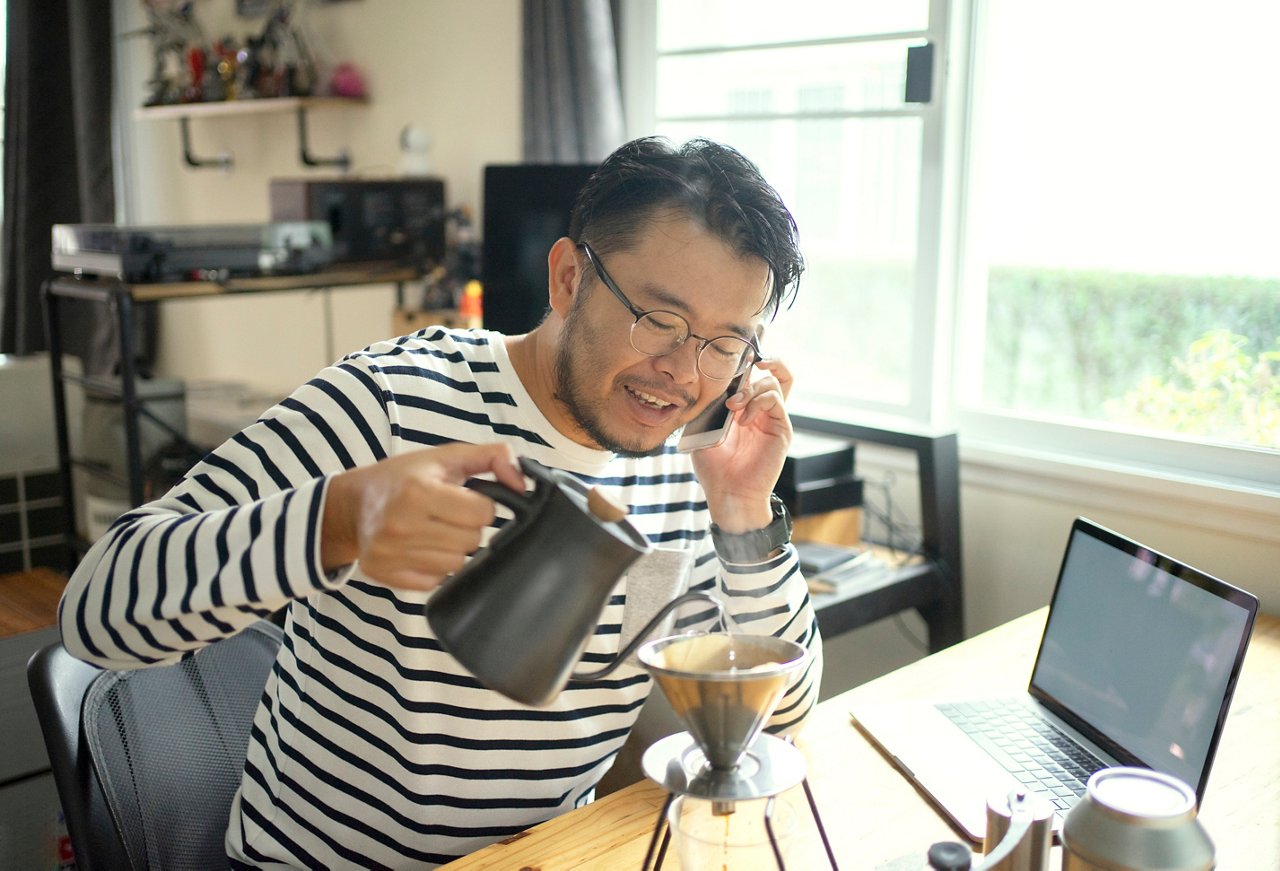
(520, 503)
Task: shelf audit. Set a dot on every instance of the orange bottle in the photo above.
(471, 308)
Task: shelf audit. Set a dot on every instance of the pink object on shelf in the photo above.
(346, 81)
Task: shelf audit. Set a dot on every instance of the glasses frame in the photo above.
(639, 314)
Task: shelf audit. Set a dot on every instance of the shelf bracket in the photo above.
(221, 161)
(342, 160)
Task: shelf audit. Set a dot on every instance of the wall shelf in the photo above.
(185, 112)
(262, 106)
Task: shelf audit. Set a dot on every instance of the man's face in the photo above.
(630, 403)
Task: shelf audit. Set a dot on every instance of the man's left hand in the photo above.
(739, 474)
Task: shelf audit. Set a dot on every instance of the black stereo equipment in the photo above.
(818, 475)
(397, 220)
(208, 252)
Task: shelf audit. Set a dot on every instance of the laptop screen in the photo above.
(1143, 650)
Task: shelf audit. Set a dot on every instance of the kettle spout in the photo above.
(643, 634)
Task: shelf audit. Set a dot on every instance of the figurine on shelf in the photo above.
(178, 47)
(220, 70)
(229, 68)
(193, 92)
(288, 64)
(279, 61)
(253, 68)
(272, 76)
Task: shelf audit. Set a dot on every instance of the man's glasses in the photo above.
(658, 333)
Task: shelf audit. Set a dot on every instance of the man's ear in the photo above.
(564, 270)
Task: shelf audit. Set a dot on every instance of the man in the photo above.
(373, 746)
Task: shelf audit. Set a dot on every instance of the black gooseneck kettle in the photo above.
(518, 615)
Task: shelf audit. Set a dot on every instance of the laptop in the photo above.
(1137, 665)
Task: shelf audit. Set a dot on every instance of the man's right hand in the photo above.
(408, 519)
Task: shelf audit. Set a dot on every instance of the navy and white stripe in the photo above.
(372, 746)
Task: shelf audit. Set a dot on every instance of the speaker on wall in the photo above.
(526, 209)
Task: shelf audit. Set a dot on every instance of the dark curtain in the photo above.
(572, 92)
(57, 164)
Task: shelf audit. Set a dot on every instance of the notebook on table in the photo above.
(1137, 665)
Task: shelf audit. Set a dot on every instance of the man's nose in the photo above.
(682, 363)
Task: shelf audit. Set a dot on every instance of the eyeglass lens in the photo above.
(657, 333)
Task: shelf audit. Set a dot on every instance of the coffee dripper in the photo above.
(724, 687)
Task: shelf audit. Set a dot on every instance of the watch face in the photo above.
(782, 520)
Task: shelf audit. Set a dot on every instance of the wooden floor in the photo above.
(29, 600)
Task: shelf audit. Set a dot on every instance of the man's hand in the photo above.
(408, 519)
(739, 474)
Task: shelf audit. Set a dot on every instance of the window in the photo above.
(1098, 276)
(1123, 274)
(815, 96)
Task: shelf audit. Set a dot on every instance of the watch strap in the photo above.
(755, 545)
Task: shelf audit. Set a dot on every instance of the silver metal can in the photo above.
(1135, 819)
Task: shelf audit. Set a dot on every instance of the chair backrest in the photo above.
(147, 761)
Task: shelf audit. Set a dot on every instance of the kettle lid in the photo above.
(548, 481)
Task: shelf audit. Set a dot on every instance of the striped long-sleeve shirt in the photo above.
(372, 746)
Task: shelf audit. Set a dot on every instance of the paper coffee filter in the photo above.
(724, 654)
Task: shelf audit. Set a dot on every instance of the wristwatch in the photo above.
(756, 545)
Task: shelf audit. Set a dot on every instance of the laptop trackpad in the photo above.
(954, 772)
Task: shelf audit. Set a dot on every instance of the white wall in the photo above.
(453, 67)
(450, 66)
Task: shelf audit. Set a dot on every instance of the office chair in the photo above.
(146, 761)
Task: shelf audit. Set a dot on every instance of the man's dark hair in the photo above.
(711, 183)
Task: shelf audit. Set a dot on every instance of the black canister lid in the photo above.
(949, 856)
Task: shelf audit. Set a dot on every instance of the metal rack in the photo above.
(121, 299)
(934, 586)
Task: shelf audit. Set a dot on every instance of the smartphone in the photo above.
(710, 427)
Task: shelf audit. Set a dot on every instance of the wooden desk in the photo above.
(877, 820)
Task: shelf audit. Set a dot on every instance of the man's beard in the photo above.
(588, 414)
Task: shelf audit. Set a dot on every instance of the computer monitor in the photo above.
(526, 208)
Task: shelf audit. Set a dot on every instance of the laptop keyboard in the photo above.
(1039, 754)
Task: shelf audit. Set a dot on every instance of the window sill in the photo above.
(1222, 506)
(1094, 468)
(1077, 468)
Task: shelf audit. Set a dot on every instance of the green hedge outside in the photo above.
(1080, 343)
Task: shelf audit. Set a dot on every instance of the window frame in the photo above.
(639, 64)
